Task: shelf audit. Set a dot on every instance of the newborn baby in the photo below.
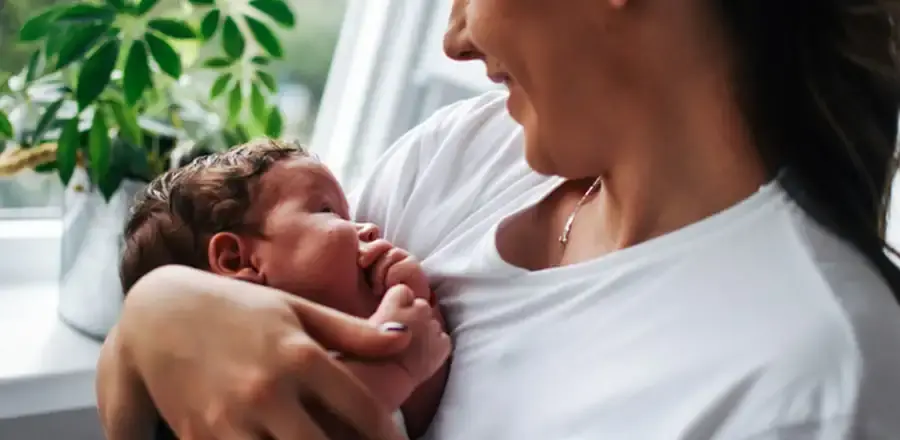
(269, 213)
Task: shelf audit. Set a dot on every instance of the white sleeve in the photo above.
(811, 397)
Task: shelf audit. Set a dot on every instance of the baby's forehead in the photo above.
(298, 174)
(295, 178)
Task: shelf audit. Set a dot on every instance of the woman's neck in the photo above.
(701, 160)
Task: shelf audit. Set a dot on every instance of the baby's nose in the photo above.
(368, 232)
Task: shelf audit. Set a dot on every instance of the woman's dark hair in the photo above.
(819, 85)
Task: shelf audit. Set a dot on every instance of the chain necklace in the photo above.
(567, 229)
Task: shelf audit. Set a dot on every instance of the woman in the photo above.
(688, 245)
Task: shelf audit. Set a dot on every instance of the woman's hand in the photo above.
(222, 359)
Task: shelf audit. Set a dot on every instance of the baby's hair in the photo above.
(173, 218)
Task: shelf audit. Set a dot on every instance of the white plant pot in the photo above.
(90, 292)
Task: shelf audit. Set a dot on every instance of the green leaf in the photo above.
(265, 37)
(231, 139)
(34, 64)
(258, 105)
(166, 57)
(98, 146)
(173, 28)
(219, 85)
(235, 99)
(218, 63)
(275, 125)
(111, 181)
(210, 23)
(128, 123)
(77, 45)
(136, 77)
(6, 129)
(242, 133)
(67, 150)
(85, 12)
(202, 2)
(232, 39)
(44, 122)
(277, 10)
(133, 161)
(95, 73)
(145, 6)
(44, 168)
(57, 38)
(260, 60)
(268, 80)
(39, 25)
(119, 5)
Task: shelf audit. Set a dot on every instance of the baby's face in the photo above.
(309, 245)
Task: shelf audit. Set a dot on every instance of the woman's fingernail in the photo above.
(393, 327)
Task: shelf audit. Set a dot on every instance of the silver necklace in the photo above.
(564, 237)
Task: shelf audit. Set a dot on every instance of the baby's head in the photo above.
(265, 212)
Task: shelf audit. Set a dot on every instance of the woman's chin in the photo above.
(512, 109)
(537, 160)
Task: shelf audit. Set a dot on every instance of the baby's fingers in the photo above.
(370, 252)
(384, 264)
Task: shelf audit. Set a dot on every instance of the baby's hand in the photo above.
(391, 266)
(429, 347)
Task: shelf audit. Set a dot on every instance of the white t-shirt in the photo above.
(752, 324)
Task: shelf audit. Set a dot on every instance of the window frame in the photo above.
(387, 54)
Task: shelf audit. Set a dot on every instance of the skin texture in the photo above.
(639, 93)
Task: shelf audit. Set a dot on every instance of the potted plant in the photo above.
(114, 93)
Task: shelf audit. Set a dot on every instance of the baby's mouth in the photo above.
(366, 276)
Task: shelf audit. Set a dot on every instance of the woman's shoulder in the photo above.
(833, 361)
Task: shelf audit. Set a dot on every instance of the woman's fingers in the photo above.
(347, 334)
(327, 381)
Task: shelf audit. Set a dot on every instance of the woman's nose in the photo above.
(457, 44)
(368, 232)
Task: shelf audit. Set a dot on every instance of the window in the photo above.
(389, 74)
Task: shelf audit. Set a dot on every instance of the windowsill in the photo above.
(29, 251)
(46, 366)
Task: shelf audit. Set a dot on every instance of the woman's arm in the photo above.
(125, 408)
(222, 358)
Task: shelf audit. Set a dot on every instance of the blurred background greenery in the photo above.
(301, 75)
(308, 47)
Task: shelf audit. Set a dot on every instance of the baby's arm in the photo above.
(393, 382)
(391, 266)
(388, 382)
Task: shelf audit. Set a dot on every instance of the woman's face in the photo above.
(574, 71)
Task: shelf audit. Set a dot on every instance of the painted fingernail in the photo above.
(393, 327)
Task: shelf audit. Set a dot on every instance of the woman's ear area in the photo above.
(231, 255)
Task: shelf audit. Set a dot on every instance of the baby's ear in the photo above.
(230, 255)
